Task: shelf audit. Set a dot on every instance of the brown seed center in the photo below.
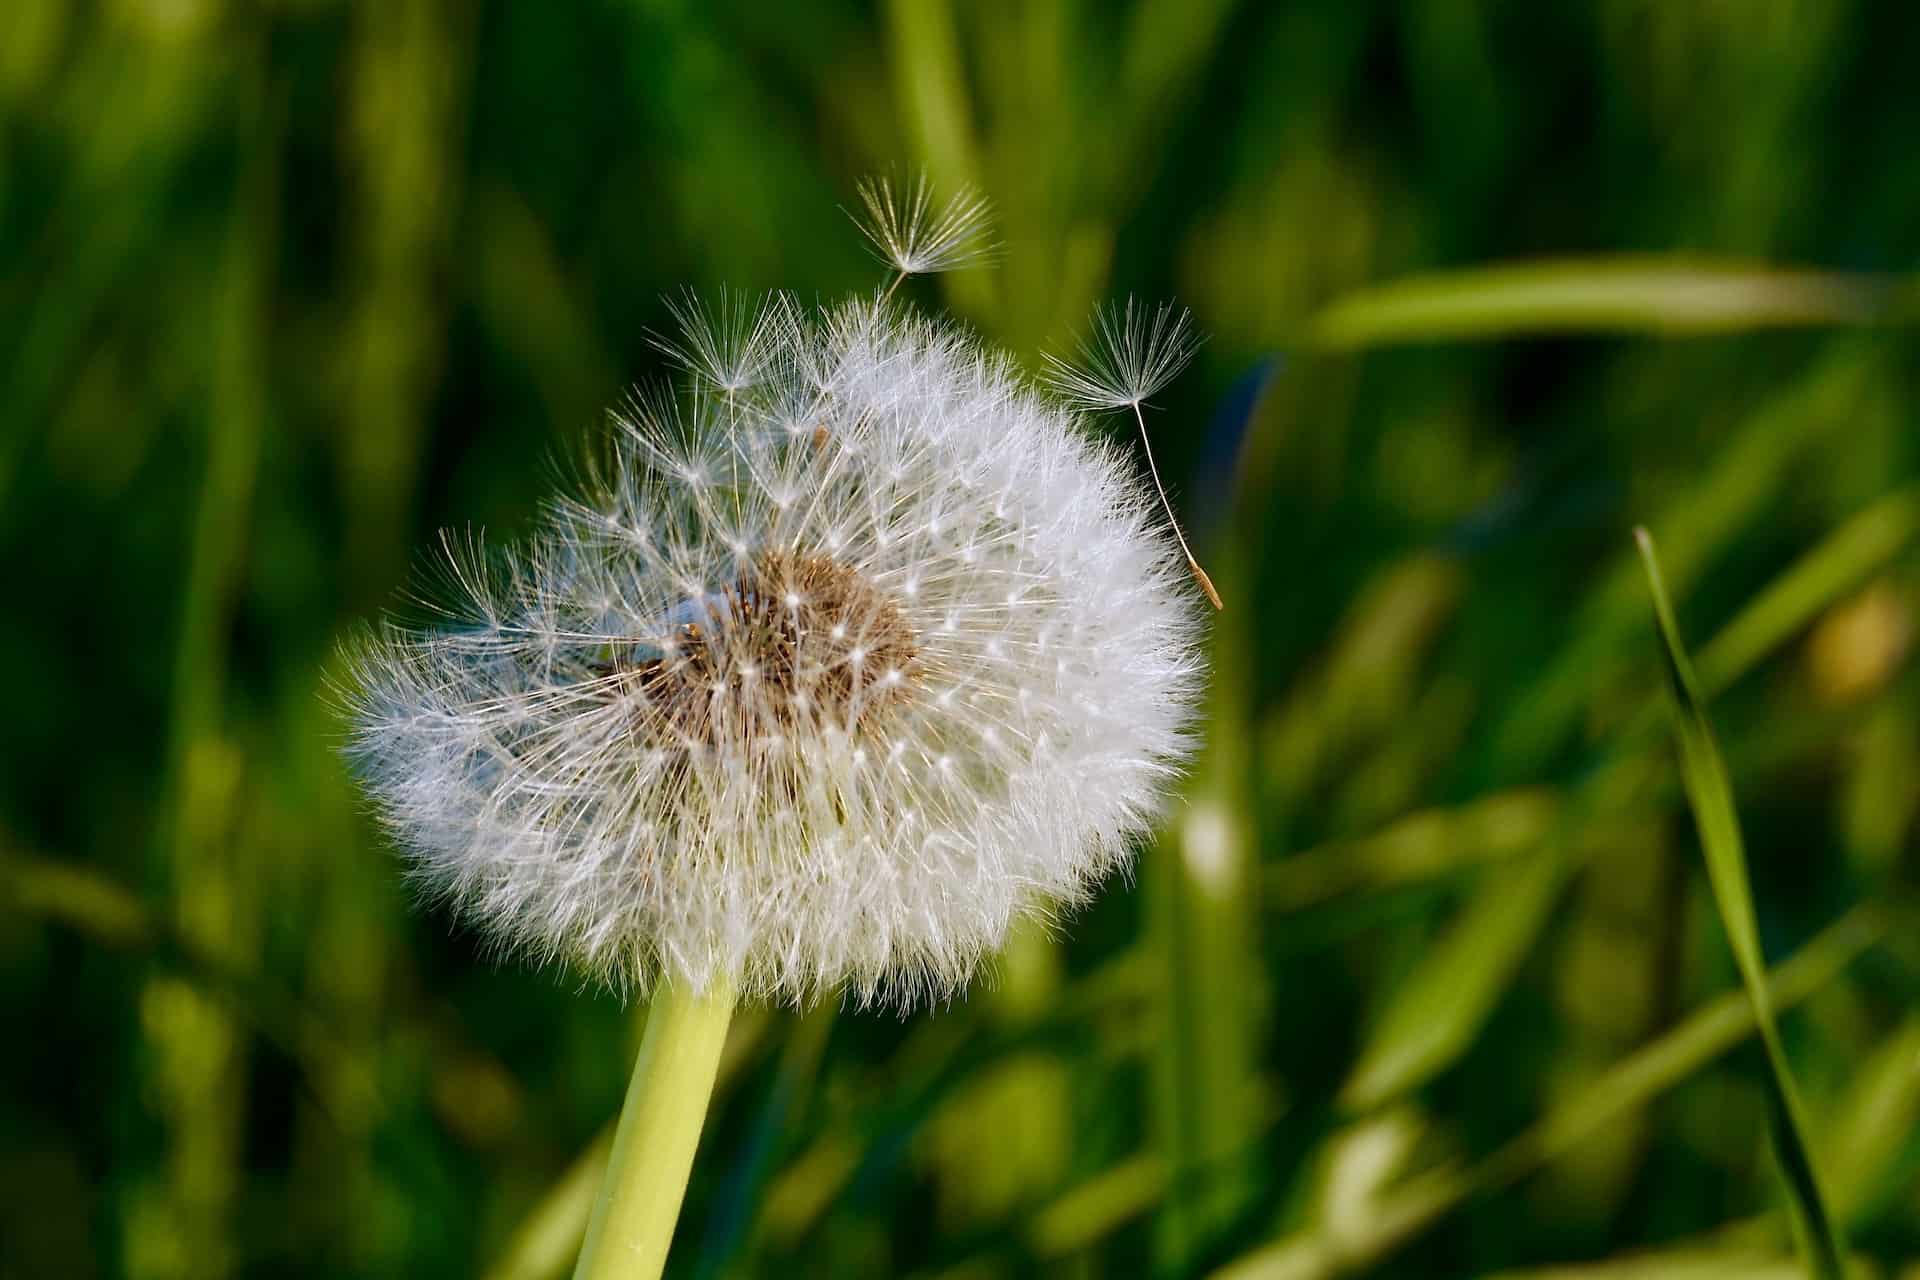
(796, 641)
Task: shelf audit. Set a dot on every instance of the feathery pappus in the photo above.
(852, 648)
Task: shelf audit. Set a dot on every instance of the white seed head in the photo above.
(844, 657)
(915, 236)
(1131, 354)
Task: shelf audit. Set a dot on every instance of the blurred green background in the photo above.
(1425, 978)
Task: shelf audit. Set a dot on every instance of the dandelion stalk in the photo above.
(633, 1219)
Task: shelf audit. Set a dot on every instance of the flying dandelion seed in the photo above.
(916, 237)
(850, 652)
(1131, 356)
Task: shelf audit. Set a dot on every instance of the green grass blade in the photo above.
(1428, 845)
(925, 1073)
(548, 1239)
(1841, 562)
(1663, 296)
(928, 59)
(1436, 843)
(1094, 1208)
(1436, 1014)
(1739, 492)
(1694, 1263)
(76, 896)
(1632, 1083)
(1710, 793)
(1202, 913)
(1873, 1129)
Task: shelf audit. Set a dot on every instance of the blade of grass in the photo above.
(194, 1056)
(1168, 43)
(1739, 493)
(1710, 793)
(931, 83)
(1203, 914)
(1874, 1131)
(1694, 1263)
(787, 1097)
(336, 1073)
(1410, 1046)
(1009, 1138)
(1439, 842)
(77, 896)
(1094, 1208)
(1429, 845)
(1636, 1080)
(867, 1125)
(1665, 296)
(1843, 560)
(1434, 1015)
(1090, 1211)
(548, 1239)
(1202, 922)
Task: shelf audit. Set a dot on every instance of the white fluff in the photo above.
(850, 652)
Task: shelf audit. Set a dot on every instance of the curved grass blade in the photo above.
(1870, 1141)
(1732, 1262)
(1428, 845)
(78, 897)
(1319, 1253)
(1435, 1015)
(868, 1126)
(548, 1239)
(1662, 296)
(791, 1089)
(1710, 794)
(1842, 560)
(1440, 1012)
(1088, 1212)
(1505, 824)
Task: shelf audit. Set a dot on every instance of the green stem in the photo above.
(632, 1223)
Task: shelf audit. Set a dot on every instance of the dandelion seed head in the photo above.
(797, 718)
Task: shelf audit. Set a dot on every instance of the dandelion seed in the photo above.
(1131, 355)
(734, 345)
(915, 237)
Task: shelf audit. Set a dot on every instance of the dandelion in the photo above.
(1132, 354)
(820, 683)
(847, 654)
